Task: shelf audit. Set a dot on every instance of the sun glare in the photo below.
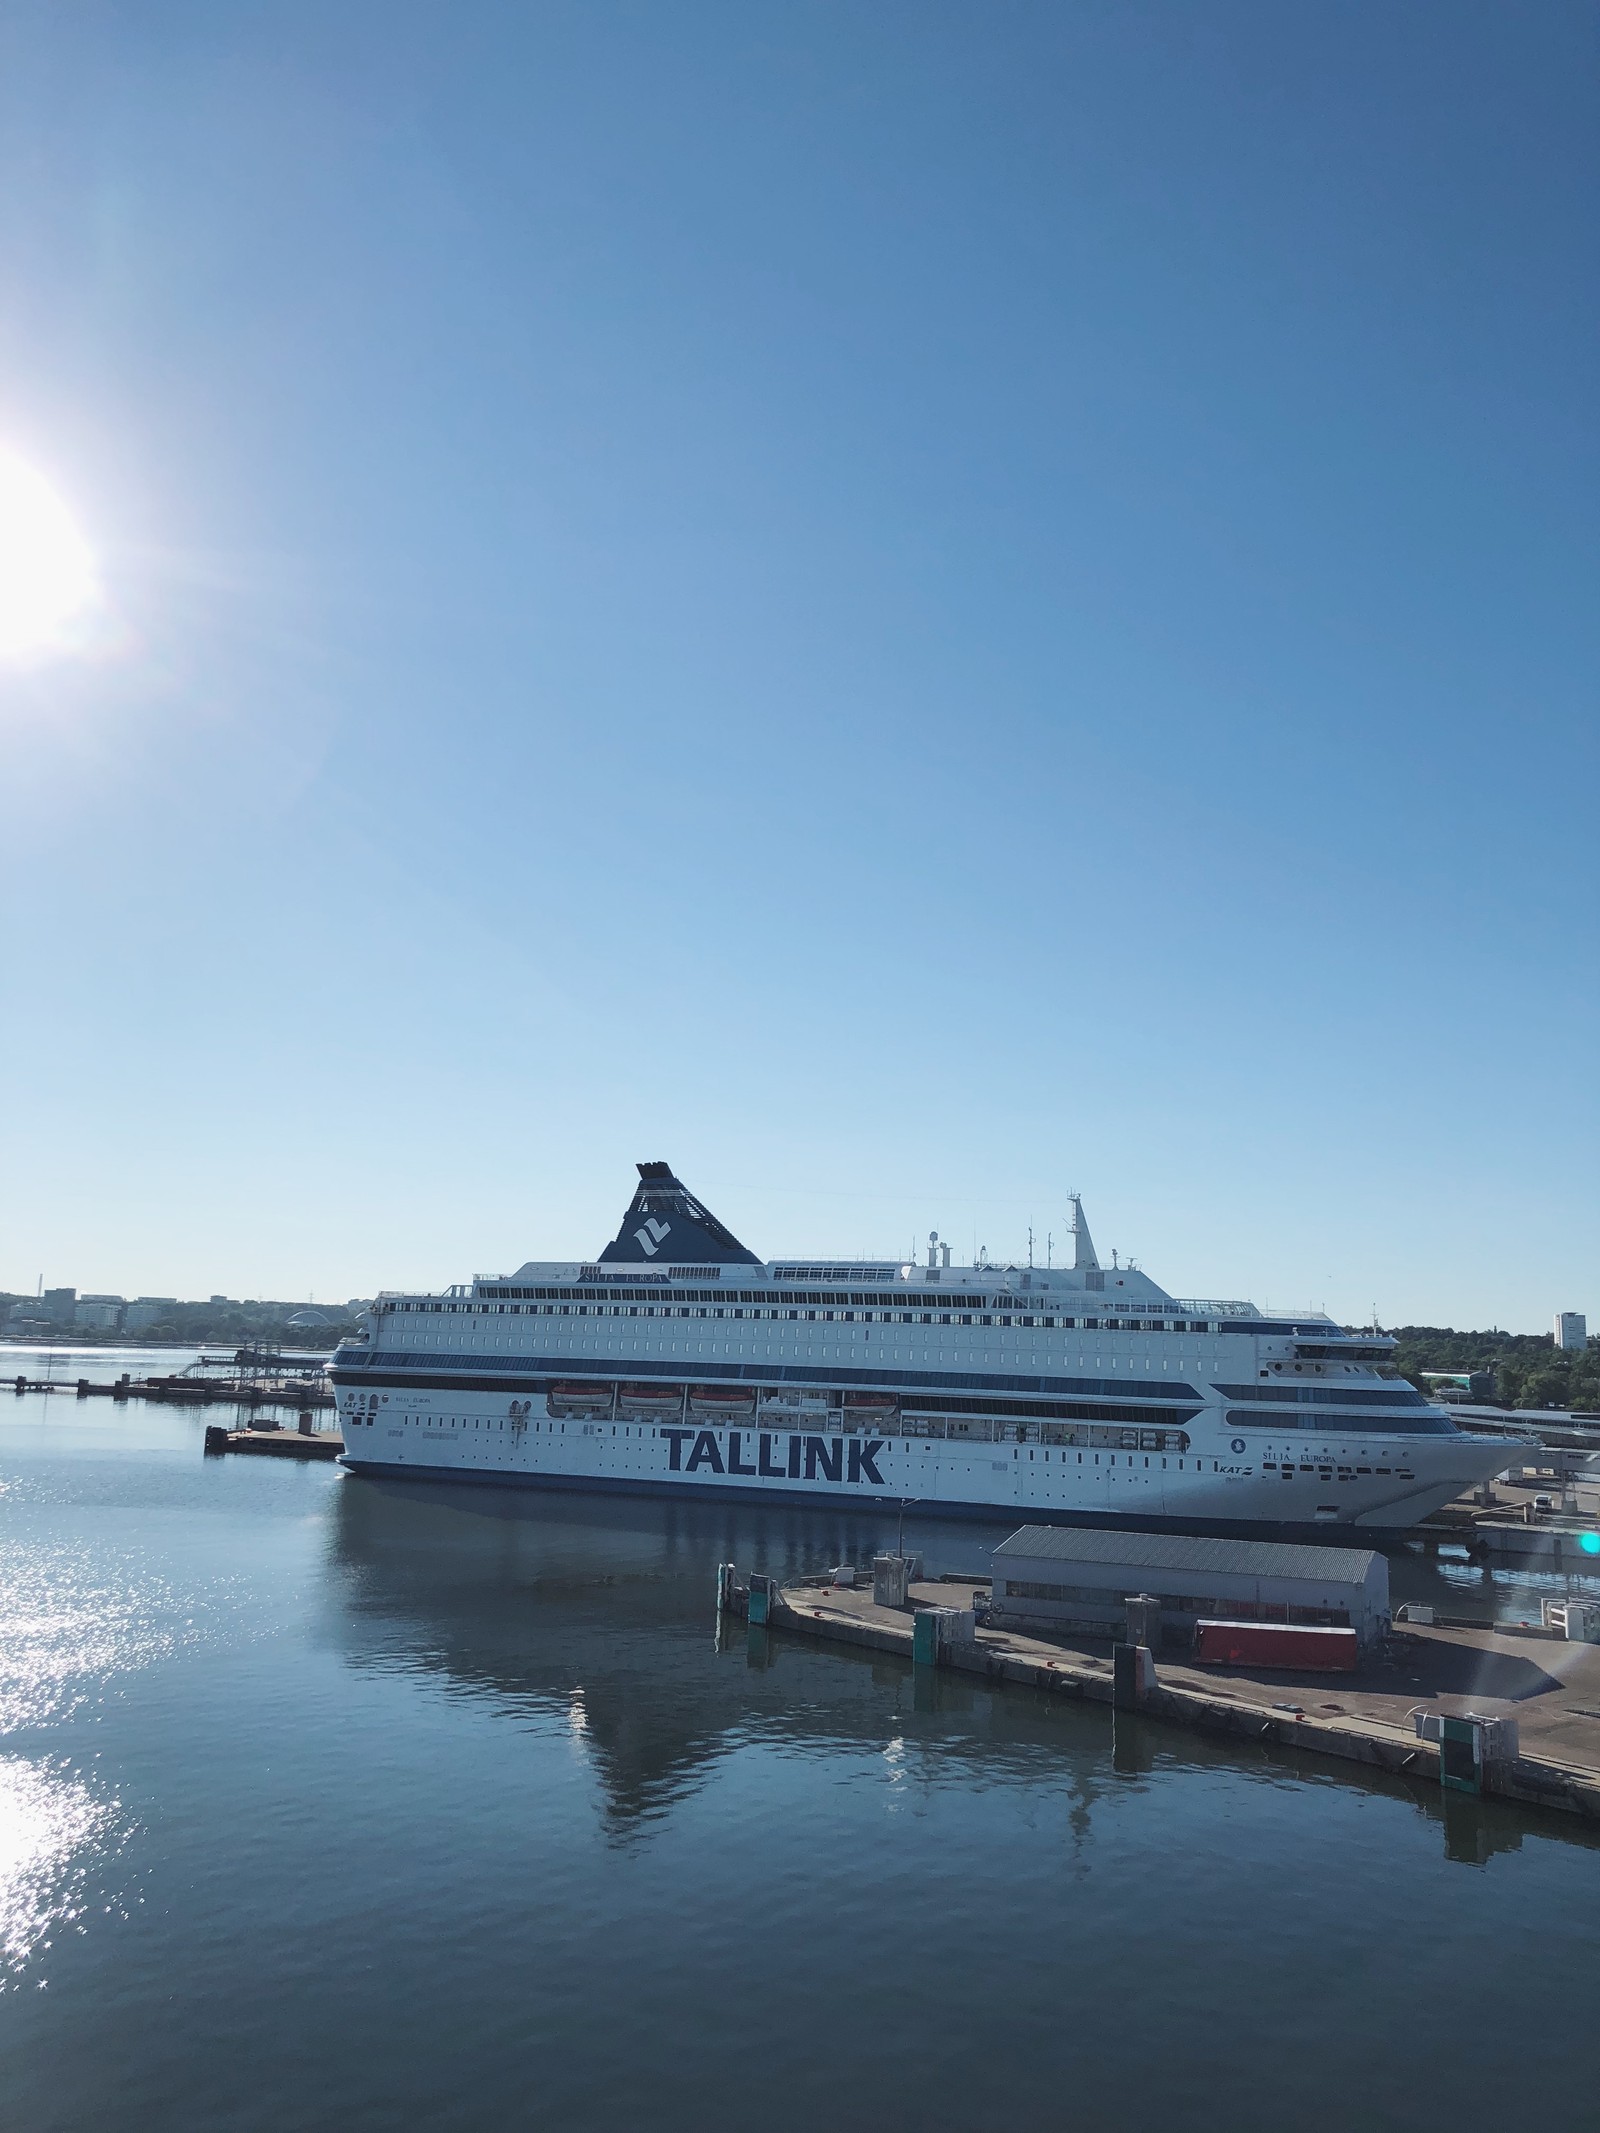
(47, 571)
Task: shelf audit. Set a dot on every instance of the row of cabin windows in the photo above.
(1324, 1470)
(850, 1317)
(973, 1300)
(1175, 1440)
(1125, 1440)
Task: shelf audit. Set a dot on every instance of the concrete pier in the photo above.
(1550, 1687)
(275, 1443)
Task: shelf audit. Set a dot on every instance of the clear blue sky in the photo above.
(907, 607)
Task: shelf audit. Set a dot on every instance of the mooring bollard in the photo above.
(216, 1437)
(1143, 1619)
(1133, 1673)
(891, 1579)
(1471, 1748)
(306, 1419)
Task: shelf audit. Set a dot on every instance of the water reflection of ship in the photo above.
(597, 1615)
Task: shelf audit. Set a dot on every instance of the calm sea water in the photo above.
(328, 1803)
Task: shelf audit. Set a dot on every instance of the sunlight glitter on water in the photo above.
(69, 1627)
(51, 1829)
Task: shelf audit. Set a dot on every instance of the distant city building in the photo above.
(147, 1311)
(219, 1299)
(57, 1305)
(1572, 1331)
(100, 1314)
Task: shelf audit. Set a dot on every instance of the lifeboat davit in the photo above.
(577, 1398)
(649, 1399)
(732, 1402)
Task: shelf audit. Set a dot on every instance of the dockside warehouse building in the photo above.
(1082, 1577)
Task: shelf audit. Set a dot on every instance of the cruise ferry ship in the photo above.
(679, 1361)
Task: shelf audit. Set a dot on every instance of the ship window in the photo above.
(985, 1320)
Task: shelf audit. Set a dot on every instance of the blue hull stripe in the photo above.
(1122, 1413)
(354, 1369)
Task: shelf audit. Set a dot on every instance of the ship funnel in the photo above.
(665, 1221)
(1083, 1258)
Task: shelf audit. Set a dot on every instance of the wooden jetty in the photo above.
(1450, 1671)
(255, 1382)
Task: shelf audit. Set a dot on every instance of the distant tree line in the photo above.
(1529, 1369)
(242, 1325)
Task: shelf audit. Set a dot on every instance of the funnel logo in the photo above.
(650, 1238)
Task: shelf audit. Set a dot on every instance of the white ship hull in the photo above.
(1076, 1395)
(473, 1438)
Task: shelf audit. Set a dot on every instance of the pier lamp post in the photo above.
(900, 1536)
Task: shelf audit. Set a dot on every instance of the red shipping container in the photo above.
(1289, 1645)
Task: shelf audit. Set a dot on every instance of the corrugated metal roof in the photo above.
(1179, 1551)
